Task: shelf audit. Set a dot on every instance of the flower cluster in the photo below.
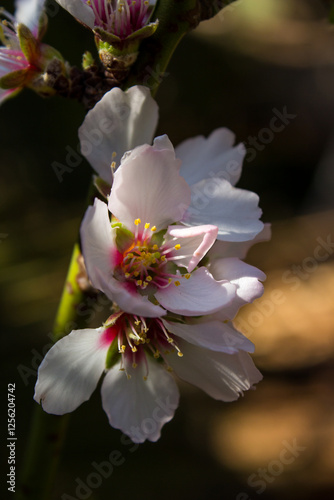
(166, 247)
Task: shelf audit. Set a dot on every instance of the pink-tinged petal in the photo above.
(70, 371)
(100, 256)
(139, 407)
(28, 12)
(211, 157)
(222, 376)
(148, 186)
(212, 335)
(119, 122)
(238, 249)
(80, 10)
(127, 297)
(200, 294)
(234, 211)
(98, 243)
(195, 242)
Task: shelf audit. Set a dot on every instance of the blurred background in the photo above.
(253, 62)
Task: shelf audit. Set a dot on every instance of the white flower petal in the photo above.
(28, 12)
(240, 248)
(136, 406)
(98, 243)
(119, 122)
(100, 256)
(200, 294)
(127, 297)
(195, 242)
(212, 335)
(211, 157)
(80, 10)
(148, 186)
(70, 371)
(244, 276)
(222, 376)
(234, 211)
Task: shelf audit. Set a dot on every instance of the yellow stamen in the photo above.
(153, 228)
(137, 222)
(177, 283)
(180, 354)
(147, 225)
(177, 247)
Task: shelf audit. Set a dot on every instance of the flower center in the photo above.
(120, 17)
(145, 263)
(136, 337)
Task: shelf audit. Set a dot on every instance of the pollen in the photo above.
(177, 283)
(134, 349)
(147, 225)
(148, 278)
(153, 228)
(177, 247)
(113, 165)
(187, 276)
(137, 222)
(180, 354)
(114, 155)
(139, 282)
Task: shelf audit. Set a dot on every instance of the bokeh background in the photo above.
(252, 61)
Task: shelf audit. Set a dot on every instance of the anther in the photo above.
(153, 228)
(137, 222)
(177, 247)
(177, 283)
(147, 225)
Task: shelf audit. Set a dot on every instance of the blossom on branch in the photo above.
(118, 26)
(211, 166)
(24, 59)
(138, 356)
(144, 259)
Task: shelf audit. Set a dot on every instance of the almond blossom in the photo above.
(137, 356)
(114, 21)
(143, 259)
(211, 166)
(23, 57)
